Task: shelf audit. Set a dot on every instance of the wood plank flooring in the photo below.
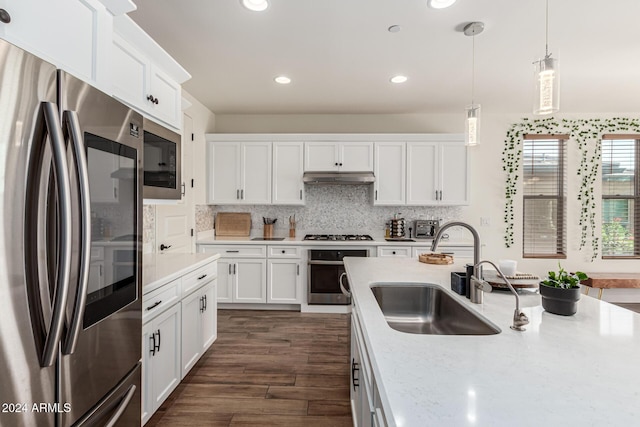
(267, 368)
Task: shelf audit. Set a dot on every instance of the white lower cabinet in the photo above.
(160, 359)
(394, 251)
(199, 331)
(365, 397)
(179, 324)
(248, 274)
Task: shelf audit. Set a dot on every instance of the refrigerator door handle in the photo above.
(122, 406)
(72, 127)
(63, 187)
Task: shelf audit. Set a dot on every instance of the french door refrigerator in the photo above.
(70, 327)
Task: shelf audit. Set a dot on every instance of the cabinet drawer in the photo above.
(394, 251)
(284, 251)
(197, 278)
(236, 251)
(162, 298)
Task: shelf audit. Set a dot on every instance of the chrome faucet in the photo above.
(480, 285)
(475, 294)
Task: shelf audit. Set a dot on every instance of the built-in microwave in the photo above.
(162, 162)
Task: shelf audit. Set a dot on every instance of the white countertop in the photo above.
(158, 269)
(211, 239)
(578, 370)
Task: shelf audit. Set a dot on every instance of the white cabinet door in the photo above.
(356, 156)
(250, 280)
(224, 167)
(167, 95)
(73, 35)
(284, 282)
(454, 182)
(225, 280)
(191, 336)
(390, 171)
(209, 316)
(166, 360)
(147, 374)
(288, 167)
(143, 85)
(130, 73)
(256, 173)
(422, 173)
(321, 156)
(338, 156)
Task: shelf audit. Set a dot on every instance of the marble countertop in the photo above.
(576, 370)
(158, 269)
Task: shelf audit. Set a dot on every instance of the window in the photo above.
(620, 196)
(544, 164)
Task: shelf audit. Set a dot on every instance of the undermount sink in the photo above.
(426, 308)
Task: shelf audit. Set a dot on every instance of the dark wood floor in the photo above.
(267, 368)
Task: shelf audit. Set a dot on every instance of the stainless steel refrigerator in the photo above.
(70, 249)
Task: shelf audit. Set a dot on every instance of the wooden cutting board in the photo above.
(442, 259)
(236, 224)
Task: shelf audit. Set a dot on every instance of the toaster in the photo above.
(426, 228)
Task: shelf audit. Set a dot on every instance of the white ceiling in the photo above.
(340, 55)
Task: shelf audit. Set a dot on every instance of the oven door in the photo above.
(324, 283)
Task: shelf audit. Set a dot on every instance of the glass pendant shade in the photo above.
(546, 86)
(472, 124)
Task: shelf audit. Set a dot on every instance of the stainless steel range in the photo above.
(326, 268)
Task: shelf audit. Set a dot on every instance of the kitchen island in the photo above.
(577, 370)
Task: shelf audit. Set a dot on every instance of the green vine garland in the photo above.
(587, 133)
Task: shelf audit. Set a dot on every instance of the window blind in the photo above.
(544, 197)
(620, 196)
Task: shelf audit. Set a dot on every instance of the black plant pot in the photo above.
(560, 301)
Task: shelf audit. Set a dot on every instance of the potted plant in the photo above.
(561, 291)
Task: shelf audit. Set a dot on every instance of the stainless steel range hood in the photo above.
(338, 178)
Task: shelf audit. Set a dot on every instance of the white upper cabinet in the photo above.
(389, 187)
(437, 173)
(240, 172)
(144, 75)
(288, 167)
(74, 35)
(344, 156)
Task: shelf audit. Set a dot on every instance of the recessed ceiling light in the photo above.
(394, 29)
(440, 4)
(255, 5)
(283, 80)
(398, 79)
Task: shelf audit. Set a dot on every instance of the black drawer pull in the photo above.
(202, 277)
(232, 252)
(151, 307)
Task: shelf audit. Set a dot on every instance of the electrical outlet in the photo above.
(485, 221)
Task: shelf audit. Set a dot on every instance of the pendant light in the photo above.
(546, 80)
(472, 111)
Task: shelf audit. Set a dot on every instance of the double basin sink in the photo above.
(425, 308)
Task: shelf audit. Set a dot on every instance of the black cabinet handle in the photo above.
(4, 16)
(354, 368)
(151, 307)
(232, 252)
(340, 164)
(158, 347)
(284, 252)
(394, 252)
(202, 277)
(163, 246)
(152, 99)
(152, 348)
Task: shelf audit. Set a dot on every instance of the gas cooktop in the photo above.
(338, 237)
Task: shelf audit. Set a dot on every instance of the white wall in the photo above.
(487, 177)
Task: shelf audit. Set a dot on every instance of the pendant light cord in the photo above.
(546, 31)
(473, 66)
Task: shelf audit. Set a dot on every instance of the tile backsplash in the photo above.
(329, 209)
